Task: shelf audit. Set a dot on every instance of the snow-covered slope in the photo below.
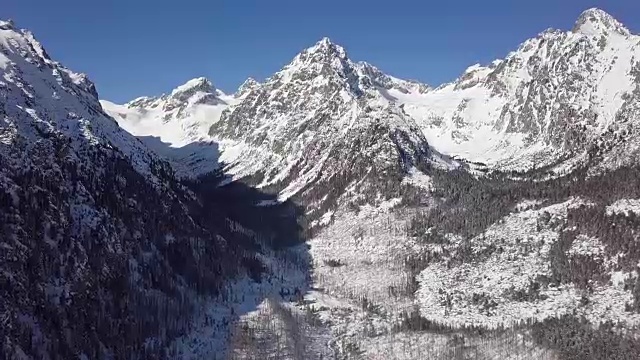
(412, 257)
(175, 125)
(512, 274)
(40, 96)
(559, 95)
(321, 125)
(103, 253)
(179, 118)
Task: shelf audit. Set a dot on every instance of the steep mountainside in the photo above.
(104, 254)
(322, 125)
(176, 125)
(559, 96)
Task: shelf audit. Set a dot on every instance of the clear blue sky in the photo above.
(140, 47)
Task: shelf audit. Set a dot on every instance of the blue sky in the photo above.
(134, 48)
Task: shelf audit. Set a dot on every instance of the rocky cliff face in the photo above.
(559, 96)
(324, 124)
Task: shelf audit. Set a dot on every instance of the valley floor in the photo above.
(354, 306)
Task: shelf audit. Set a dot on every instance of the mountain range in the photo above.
(329, 211)
(559, 100)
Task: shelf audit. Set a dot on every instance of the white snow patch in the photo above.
(527, 204)
(587, 246)
(418, 178)
(625, 207)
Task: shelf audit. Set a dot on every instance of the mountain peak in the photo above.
(325, 41)
(325, 44)
(595, 12)
(595, 22)
(322, 59)
(247, 86)
(7, 25)
(201, 84)
(326, 49)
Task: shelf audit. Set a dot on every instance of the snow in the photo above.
(176, 132)
(326, 218)
(527, 205)
(468, 119)
(483, 143)
(372, 245)
(523, 258)
(624, 207)
(4, 61)
(176, 128)
(362, 255)
(473, 68)
(587, 246)
(250, 304)
(39, 90)
(619, 278)
(619, 55)
(193, 83)
(418, 178)
(357, 257)
(478, 117)
(596, 22)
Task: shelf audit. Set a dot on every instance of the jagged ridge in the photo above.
(324, 122)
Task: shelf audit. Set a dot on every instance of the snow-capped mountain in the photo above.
(321, 125)
(104, 254)
(40, 96)
(560, 95)
(178, 118)
(321, 118)
(175, 125)
(563, 98)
